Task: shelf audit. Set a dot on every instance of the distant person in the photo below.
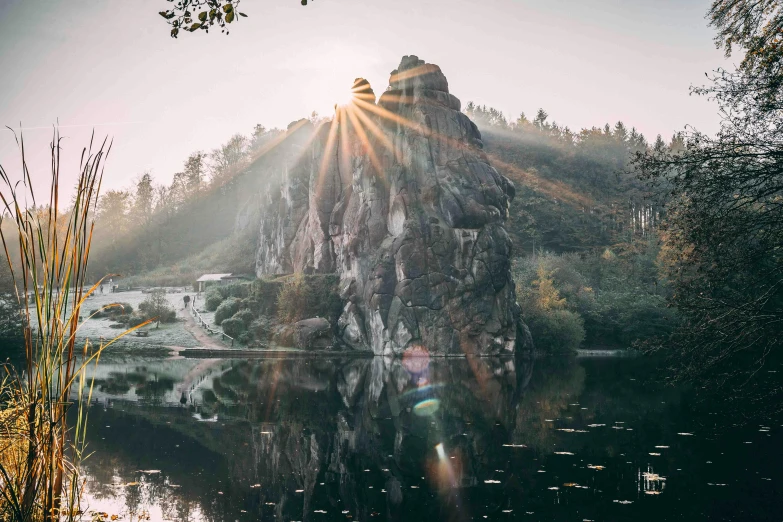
(101, 288)
(186, 299)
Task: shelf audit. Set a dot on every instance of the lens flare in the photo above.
(426, 408)
(440, 451)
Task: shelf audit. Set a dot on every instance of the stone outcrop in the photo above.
(308, 334)
(398, 198)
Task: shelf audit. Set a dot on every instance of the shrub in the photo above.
(555, 330)
(213, 299)
(249, 303)
(136, 319)
(245, 338)
(240, 290)
(120, 309)
(226, 309)
(245, 315)
(233, 326)
(261, 328)
(291, 299)
(303, 296)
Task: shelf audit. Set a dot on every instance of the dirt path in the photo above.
(203, 338)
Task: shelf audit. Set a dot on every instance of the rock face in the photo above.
(398, 199)
(309, 334)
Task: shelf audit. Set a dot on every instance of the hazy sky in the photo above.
(111, 64)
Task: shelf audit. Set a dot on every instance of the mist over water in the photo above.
(418, 439)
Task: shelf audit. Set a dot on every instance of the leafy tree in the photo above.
(228, 159)
(157, 306)
(723, 238)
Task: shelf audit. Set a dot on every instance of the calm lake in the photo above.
(419, 439)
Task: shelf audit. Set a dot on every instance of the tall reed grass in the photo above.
(47, 248)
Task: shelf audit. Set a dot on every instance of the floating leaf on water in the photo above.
(747, 443)
(563, 453)
(655, 454)
(149, 471)
(507, 510)
(623, 501)
(595, 425)
(541, 471)
(617, 428)
(319, 511)
(514, 446)
(299, 491)
(256, 486)
(571, 485)
(548, 420)
(652, 492)
(490, 481)
(415, 487)
(686, 434)
(554, 488)
(270, 503)
(599, 468)
(653, 477)
(662, 447)
(567, 430)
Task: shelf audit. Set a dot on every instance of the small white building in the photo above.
(208, 280)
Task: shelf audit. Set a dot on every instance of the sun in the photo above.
(345, 98)
(360, 91)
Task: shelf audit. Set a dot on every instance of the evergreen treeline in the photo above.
(575, 191)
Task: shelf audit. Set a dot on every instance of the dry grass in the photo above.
(47, 249)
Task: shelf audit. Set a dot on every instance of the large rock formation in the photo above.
(398, 199)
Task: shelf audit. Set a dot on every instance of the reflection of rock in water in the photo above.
(364, 428)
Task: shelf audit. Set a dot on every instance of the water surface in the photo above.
(419, 439)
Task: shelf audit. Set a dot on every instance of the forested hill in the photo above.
(575, 191)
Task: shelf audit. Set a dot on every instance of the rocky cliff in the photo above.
(398, 198)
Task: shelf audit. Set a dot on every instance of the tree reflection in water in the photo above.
(405, 439)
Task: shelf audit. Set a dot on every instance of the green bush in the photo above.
(233, 326)
(121, 309)
(245, 338)
(226, 309)
(302, 296)
(262, 327)
(249, 303)
(213, 299)
(555, 331)
(291, 300)
(136, 319)
(245, 315)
